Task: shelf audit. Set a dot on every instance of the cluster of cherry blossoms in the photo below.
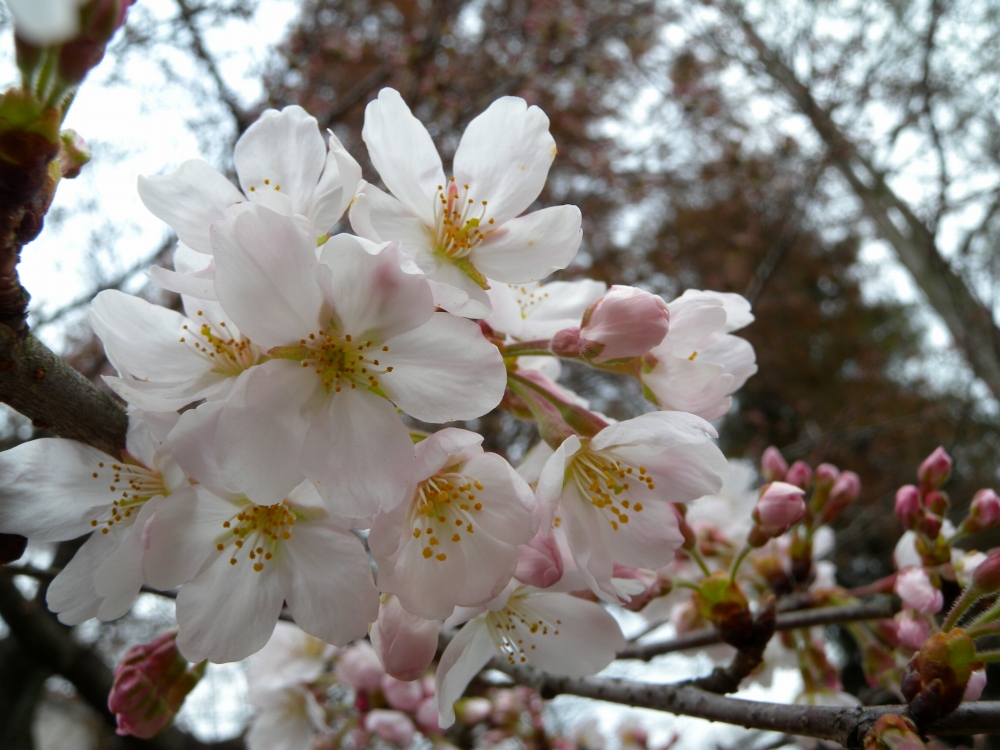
(275, 454)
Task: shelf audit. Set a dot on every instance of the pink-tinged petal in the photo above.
(48, 492)
(443, 371)
(662, 429)
(372, 297)
(453, 290)
(250, 600)
(281, 152)
(189, 200)
(72, 594)
(530, 468)
(587, 641)
(508, 511)
(403, 153)
(582, 525)
(736, 307)
(648, 540)
(357, 453)
(286, 722)
(734, 354)
(140, 441)
(261, 430)
(445, 447)
(340, 180)
(327, 582)
(506, 316)
(504, 157)
(200, 285)
(266, 275)
(555, 305)
(530, 247)
(552, 479)
(465, 656)
(390, 219)
(681, 474)
(181, 534)
(145, 339)
(490, 564)
(192, 443)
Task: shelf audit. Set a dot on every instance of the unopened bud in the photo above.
(539, 562)
(403, 696)
(826, 474)
(911, 630)
(773, 465)
(914, 587)
(935, 469)
(723, 602)
(908, 508)
(986, 578)
(690, 538)
(844, 492)
(800, 474)
(930, 525)
(359, 666)
(779, 508)
(73, 154)
(473, 710)
(404, 643)
(985, 510)
(937, 503)
(150, 685)
(974, 688)
(393, 727)
(625, 323)
(938, 674)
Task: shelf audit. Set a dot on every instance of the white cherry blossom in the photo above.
(536, 310)
(455, 542)
(281, 162)
(52, 490)
(611, 494)
(351, 337)
(465, 230)
(46, 22)
(555, 632)
(167, 360)
(699, 363)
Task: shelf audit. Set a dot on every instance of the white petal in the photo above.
(261, 430)
(283, 152)
(340, 181)
(453, 290)
(266, 275)
(167, 397)
(390, 219)
(357, 453)
(465, 656)
(48, 492)
(663, 429)
(508, 503)
(200, 285)
(582, 526)
(285, 723)
(72, 593)
(403, 153)
(327, 582)
(228, 611)
(427, 586)
(189, 200)
(551, 480)
(445, 448)
(588, 638)
(648, 540)
(192, 442)
(443, 371)
(371, 295)
(530, 247)
(504, 157)
(551, 307)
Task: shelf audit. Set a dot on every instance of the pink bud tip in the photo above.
(935, 469)
(539, 562)
(846, 489)
(826, 474)
(626, 322)
(908, 507)
(974, 687)
(912, 630)
(986, 577)
(404, 643)
(391, 726)
(914, 587)
(773, 465)
(779, 508)
(799, 474)
(403, 696)
(359, 667)
(985, 509)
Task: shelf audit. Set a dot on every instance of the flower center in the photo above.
(607, 482)
(256, 531)
(505, 626)
(340, 362)
(527, 296)
(131, 486)
(229, 355)
(457, 221)
(443, 509)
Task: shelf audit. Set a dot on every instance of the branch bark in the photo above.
(969, 321)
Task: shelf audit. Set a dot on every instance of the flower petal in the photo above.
(284, 152)
(403, 153)
(662, 429)
(389, 218)
(465, 656)
(72, 594)
(551, 480)
(340, 180)
(189, 200)
(530, 247)
(508, 511)
(266, 275)
(443, 371)
(582, 525)
(200, 285)
(504, 157)
(445, 448)
(327, 582)
(587, 641)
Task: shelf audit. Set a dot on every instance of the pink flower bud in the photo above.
(359, 667)
(403, 696)
(935, 469)
(986, 577)
(773, 465)
(908, 507)
(539, 562)
(779, 508)
(391, 726)
(150, 685)
(404, 643)
(625, 323)
(799, 474)
(974, 687)
(914, 587)
(911, 630)
(427, 717)
(473, 710)
(845, 491)
(826, 474)
(936, 502)
(985, 509)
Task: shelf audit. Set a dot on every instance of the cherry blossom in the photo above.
(404, 643)
(46, 22)
(914, 587)
(555, 632)
(167, 360)
(466, 230)
(281, 162)
(626, 322)
(455, 542)
(52, 490)
(351, 337)
(538, 310)
(699, 363)
(611, 494)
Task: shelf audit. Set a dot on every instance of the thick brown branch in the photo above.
(807, 618)
(37, 383)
